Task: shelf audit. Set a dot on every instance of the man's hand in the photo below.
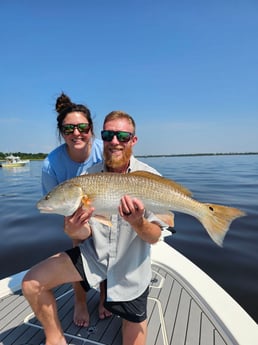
(77, 226)
(132, 210)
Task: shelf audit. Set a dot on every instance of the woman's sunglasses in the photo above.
(122, 136)
(82, 128)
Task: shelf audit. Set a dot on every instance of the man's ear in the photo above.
(134, 140)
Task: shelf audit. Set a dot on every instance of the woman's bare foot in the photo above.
(103, 312)
(81, 315)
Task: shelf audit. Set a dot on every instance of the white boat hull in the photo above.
(185, 306)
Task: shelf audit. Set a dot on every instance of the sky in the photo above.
(186, 70)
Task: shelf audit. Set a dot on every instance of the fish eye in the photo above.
(47, 197)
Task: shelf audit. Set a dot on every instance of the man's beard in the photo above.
(113, 162)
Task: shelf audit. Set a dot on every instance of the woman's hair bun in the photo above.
(63, 102)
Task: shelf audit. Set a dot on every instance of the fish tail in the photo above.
(217, 220)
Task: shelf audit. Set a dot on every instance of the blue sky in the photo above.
(186, 70)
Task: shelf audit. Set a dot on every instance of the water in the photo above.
(28, 236)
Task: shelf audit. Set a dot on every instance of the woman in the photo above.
(79, 152)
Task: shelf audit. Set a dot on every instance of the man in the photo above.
(118, 255)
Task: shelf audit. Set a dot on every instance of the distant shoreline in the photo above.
(199, 154)
(41, 156)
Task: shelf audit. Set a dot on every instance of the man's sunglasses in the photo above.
(122, 136)
(82, 128)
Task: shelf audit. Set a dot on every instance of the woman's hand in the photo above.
(77, 226)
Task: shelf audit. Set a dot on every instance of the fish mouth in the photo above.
(43, 209)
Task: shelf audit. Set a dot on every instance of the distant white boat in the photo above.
(14, 161)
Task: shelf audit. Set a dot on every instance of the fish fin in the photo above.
(102, 220)
(172, 184)
(86, 201)
(217, 220)
(167, 218)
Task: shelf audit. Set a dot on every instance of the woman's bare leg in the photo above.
(81, 315)
(37, 287)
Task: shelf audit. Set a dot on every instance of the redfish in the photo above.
(103, 191)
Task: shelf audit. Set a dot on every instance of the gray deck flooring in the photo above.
(175, 316)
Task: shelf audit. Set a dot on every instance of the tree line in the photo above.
(40, 155)
(22, 155)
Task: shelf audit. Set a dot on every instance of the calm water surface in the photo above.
(28, 236)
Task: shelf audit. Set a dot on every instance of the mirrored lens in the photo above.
(107, 135)
(123, 136)
(83, 127)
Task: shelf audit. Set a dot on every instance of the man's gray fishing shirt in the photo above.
(117, 253)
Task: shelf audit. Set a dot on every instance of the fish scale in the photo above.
(110, 188)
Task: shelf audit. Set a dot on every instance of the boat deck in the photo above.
(176, 316)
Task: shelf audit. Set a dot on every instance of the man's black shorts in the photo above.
(134, 310)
